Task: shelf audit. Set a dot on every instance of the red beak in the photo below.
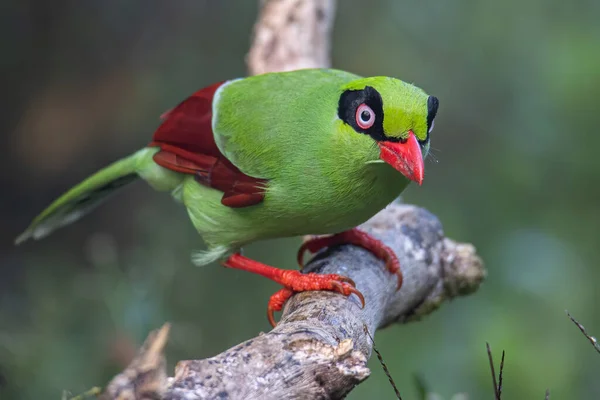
(405, 157)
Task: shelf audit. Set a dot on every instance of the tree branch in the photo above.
(290, 35)
(319, 349)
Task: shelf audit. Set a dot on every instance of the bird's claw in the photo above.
(296, 282)
(276, 303)
(357, 238)
(347, 289)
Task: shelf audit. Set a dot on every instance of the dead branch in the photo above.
(290, 35)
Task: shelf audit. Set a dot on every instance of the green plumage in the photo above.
(323, 176)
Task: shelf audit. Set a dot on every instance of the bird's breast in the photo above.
(331, 203)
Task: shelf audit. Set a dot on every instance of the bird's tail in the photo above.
(84, 197)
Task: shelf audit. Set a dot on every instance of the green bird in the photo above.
(313, 151)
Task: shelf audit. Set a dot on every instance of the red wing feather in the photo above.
(188, 146)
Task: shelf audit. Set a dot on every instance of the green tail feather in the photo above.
(83, 198)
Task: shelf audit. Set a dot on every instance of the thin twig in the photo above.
(489, 351)
(385, 368)
(500, 375)
(592, 339)
(93, 392)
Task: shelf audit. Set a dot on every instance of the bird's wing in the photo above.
(187, 145)
(265, 124)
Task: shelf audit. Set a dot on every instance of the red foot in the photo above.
(293, 281)
(357, 238)
(276, 303)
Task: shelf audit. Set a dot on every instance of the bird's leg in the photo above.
(358, 238)
(293, 281)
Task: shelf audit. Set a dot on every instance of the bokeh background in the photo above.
(517, 174)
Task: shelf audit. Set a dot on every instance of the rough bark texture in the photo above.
(292, 34)
(319, 349)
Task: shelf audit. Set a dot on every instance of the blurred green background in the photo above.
(516, 143)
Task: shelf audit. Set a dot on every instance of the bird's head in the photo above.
(397, 116)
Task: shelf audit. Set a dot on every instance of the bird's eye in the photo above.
(365, 117)
(432, 125)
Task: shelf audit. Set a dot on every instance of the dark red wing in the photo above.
(188, 146)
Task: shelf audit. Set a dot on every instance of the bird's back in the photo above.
(262, 122)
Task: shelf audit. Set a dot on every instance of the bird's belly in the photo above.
(317, 221)
(286, 211)
(328, 210)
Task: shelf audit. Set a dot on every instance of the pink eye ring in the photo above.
(365, 117)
